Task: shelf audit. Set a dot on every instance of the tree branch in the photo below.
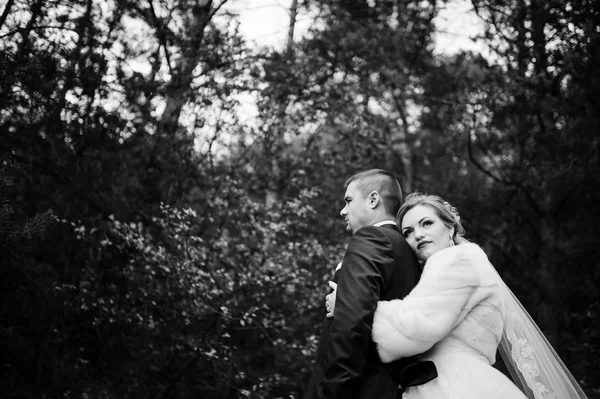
(162, 39)
(497, 179)
(6, 11)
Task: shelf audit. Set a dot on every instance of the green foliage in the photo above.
(13, 233)
(227, 312)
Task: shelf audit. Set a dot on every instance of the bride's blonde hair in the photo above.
(446, 212)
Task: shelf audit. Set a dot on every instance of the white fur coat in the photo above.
(457, 306)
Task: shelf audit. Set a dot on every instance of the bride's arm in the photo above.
(410, 326)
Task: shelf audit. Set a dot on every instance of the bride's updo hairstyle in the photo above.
(446, 212)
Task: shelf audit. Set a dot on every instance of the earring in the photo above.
(451, 242)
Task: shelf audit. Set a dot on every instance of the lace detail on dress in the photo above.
(524, 356)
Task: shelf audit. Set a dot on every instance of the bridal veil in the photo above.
(532, 362)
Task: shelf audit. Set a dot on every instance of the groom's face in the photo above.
(356, 212)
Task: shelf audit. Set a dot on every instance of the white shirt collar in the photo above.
(384, 222)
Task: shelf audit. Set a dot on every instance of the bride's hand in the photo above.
(330, 300)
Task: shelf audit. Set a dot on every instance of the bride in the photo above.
(459, 314)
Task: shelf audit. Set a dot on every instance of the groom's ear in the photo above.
(374, 199)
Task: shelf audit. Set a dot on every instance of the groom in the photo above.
(378, 265)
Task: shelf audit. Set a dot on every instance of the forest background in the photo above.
(156, 242)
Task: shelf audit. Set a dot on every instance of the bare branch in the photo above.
(498, 179)
(6, 11)
(36, 28)
(216, 9)
(162, 38)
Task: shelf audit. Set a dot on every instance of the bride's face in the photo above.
(425, 232)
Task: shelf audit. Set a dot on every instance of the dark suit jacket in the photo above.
(378, 265)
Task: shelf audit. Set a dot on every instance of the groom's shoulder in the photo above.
(377, 231)
(392, 232)
(385, 235)
(369, 235)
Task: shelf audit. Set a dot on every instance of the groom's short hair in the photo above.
(384, 183)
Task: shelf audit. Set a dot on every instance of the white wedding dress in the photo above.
(454, 317)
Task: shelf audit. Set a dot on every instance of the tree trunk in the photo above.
(176, 93)
(290, 39)
(550, 306)
(36, 10)
(522, 51)
(538, 23)
(273, 144)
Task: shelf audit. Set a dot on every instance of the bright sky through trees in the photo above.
(265, 23)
